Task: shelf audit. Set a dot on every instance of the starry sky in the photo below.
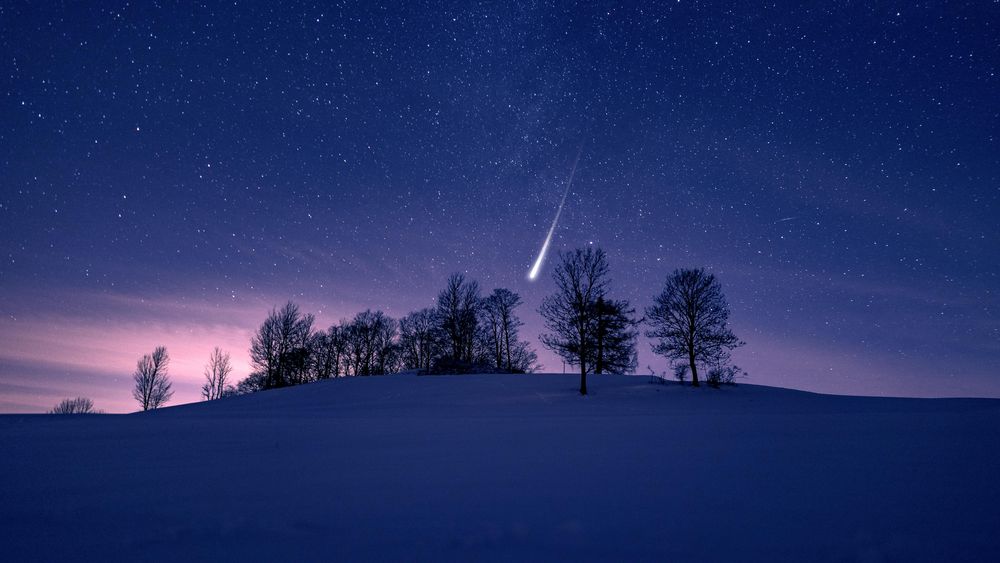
(171, 171)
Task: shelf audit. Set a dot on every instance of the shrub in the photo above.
(79, 405)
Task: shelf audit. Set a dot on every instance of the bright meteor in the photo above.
(548, 238)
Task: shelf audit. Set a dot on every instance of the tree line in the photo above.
(464, 333)
(467, 332)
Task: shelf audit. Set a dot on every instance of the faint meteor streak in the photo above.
(548, 238)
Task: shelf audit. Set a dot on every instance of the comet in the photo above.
(533, 274)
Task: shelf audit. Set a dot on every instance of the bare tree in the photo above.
(614, 337)
(79, 405)
(419, 340)
(457, 315)
(152, 384)
(689, 321)
(500, 333)
(280, 348)
(216, 375)
(523, 358)
(581, 278)
(329, 352)
(371, 343)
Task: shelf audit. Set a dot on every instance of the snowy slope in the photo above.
(503, 468)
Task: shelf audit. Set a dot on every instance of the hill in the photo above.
(502, 467)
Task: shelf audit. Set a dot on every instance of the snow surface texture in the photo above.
(508, 468)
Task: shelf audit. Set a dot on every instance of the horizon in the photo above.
(170, 176)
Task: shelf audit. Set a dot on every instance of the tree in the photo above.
(581, 278)
(329, 351)
(251, 384)
(280, 348)
(689, 321)
(500, 333)
(216, 375)
(457, 316)
(79, 405)
(523, 358)
(614, 336)
(386, 356)
(419, 340)
(152, 384)
(371, 346)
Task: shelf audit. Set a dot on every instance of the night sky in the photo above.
(170, 172)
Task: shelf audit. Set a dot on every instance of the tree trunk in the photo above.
(694, 371)
(583, 378)
(506, 338)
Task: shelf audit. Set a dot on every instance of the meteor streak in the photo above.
(548, 238)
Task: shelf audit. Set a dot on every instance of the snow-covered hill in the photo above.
(508, 468)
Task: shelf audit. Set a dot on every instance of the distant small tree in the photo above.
(689, 321)
(581, 278)
(216, 375)
(681, 371)
(152, 384)
(79, 405)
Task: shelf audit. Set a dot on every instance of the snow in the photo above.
(501, 468)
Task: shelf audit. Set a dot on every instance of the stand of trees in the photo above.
(279, 351)
(468, 333)
(476, 334)
(458, 315)
(419, 340)
(586, 328)
(463, 333)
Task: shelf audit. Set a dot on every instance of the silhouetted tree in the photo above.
(371, 343)
(386, 357)
(295, 364)
(723, 373)
(614, 336)
(251, 384)
(329, 350)
(500, 326)
(152, 384)
(581, 278)
(79, 405)
(457, 315)
(280, 349)
(419, 340)
(523, 358)
(216, 375)
(689, 321)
